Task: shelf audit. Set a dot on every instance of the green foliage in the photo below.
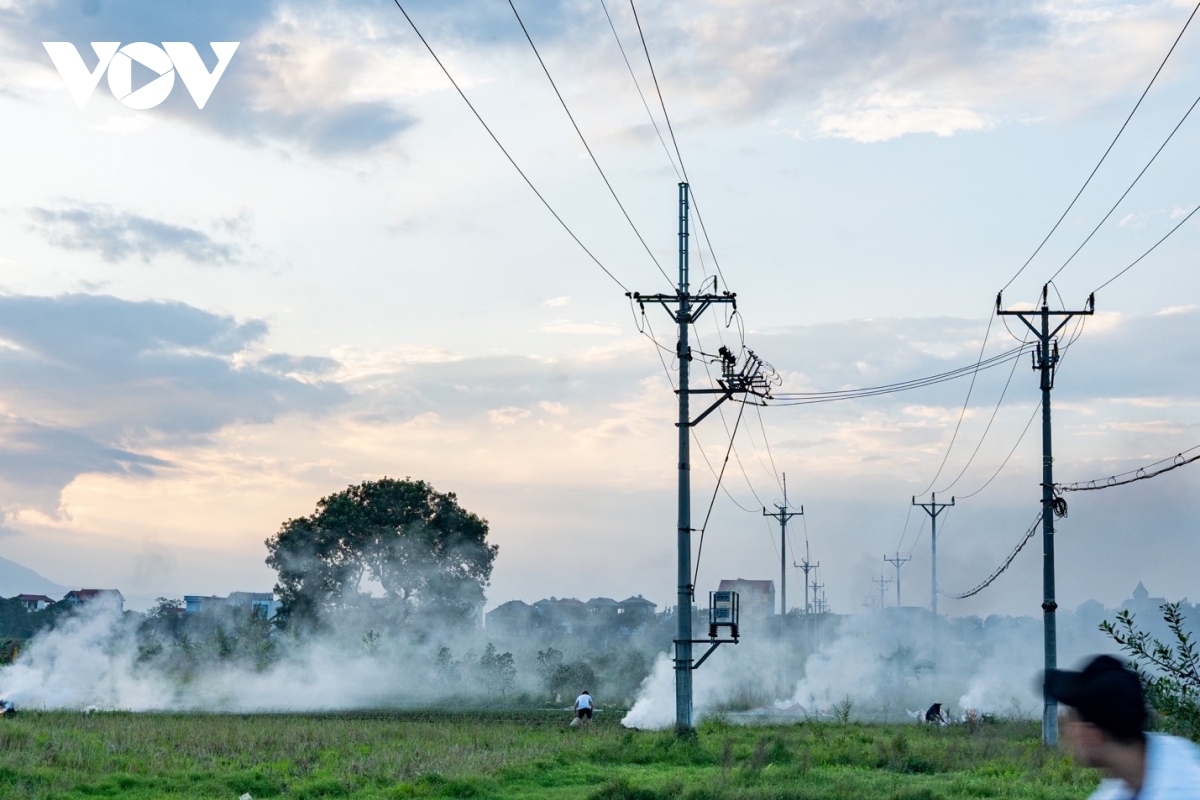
(1170, 671)
(548, 663)
(497, 671)
(430, 555)
(371, 755)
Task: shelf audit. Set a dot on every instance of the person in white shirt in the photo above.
(583, 707)
(1106, 729)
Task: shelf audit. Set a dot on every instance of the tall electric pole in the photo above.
(883, 584)
(808, 567)
(783, 515)
(933, 509)
(685, 308)
(1045, 361)
(898, 562)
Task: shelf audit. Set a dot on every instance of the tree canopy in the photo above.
(429, 555)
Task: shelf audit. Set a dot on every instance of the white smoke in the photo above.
(882, 663)
(91, 660)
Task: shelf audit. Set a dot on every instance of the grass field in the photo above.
(515, 755)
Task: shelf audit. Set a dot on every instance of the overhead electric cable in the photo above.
(1148, 252)
(963, 412)
(713, 500)
(807, 398)
(641, 94)
(507, 155)
(1108, 149)
(1139, 474)
(671, 130)
(988, 428)
(767, 443)
(1126, 192)
(583, 139)
(999, 570)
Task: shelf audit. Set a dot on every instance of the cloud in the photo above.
(89, 380)
(563, 326)
(37, 461)
(872, 71)
(120, 235)
(299, 77)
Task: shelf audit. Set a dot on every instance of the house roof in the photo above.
(29, 598)
(91, 594)
(637, 601)
(511, 605)
(605, 602)
(1140, 593)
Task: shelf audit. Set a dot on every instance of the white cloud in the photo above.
(563, 326)
(507, 417)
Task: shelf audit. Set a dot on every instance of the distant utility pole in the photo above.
(685, 308)
(1045, 360)
(898, 562)
(783, 515)
(883, 584)
(933, 509)
(818, 601)
(808, 567)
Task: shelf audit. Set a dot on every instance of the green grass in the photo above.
(515, 755)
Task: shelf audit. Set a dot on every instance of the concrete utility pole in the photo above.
(749, 379)
(783, 515)
(933, 509)
(1045, 360)
(898, 562)
(808, 567)
(882, 582)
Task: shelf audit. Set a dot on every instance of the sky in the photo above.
(212, 317)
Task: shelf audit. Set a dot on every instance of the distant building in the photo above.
(34, 602)
(263, 603)
(1142, 603)
(514, 617)
(635, 611)
(602, 611)
(756, 599)
(569, 616)
(81, 596)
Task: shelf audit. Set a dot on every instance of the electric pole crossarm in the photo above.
(1022, 315)
(700, 302)
(726, 396)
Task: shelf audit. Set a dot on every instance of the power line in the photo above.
(1126, 192)
(999, 570)
(1107, 150)
(767, 443)
(963, 412)
(1139, 474)
(988, 428)
(671, 130)
(1148, 252)
(808, 398)
(641, 94)
(583, 139)
(725, 463)
(507, 155)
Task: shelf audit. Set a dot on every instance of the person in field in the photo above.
(1105, 728)
(935, 715)
(583, 708)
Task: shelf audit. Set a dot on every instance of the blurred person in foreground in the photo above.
(1106, 729)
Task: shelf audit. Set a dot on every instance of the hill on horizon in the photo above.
(16, 579)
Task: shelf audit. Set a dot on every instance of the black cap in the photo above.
(1106, 693)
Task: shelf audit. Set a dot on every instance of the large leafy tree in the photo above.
(429, 555)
